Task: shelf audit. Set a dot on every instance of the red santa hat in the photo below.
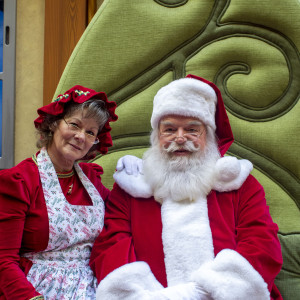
(197, 97)
(80, 94)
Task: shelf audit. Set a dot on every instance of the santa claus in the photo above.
(195, 224)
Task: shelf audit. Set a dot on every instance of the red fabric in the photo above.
(80, 94)
(239, 220)
(24, 221)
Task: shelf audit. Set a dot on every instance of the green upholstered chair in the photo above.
(250, 49)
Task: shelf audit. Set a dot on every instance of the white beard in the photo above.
(183, 178)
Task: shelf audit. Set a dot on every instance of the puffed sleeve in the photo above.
(114, 246)
(14, 204)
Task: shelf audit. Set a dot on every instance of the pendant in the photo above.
(70, 189)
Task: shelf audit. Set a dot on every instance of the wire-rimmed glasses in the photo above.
(172, 136)
(91, 138)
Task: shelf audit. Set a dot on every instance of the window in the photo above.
(7, 81)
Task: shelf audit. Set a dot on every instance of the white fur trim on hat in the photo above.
(185, 97)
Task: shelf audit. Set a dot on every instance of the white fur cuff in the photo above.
(131, 281)
(231, 276)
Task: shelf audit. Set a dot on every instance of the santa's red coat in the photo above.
(240, 251)
(239, 220)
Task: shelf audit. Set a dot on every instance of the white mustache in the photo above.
(188, 146)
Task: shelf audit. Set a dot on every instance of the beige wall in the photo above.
(29, 74)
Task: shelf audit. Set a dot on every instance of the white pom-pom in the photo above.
(227, 168)
(231, 173)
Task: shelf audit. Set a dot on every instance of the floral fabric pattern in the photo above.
(62, 270)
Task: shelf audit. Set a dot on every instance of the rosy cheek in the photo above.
(166, 145)
(162, 144)
(199, 145)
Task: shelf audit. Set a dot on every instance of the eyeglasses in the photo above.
(172, 136)
(90, 136)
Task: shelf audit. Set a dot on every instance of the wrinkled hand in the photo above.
(132, 165)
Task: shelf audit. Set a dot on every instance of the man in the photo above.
(196, 224)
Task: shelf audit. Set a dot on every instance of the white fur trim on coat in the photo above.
(230, 174)
(135, 281)
(187, 238)
(231, 276)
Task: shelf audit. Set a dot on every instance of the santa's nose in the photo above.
(180, 137)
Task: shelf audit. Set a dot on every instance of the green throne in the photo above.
(250, 49)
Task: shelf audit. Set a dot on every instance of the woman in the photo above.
(51, 206)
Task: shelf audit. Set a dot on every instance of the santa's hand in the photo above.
(132, 165)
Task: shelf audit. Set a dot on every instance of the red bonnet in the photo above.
(80, 94)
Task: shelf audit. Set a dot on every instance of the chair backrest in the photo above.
(250, 49)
